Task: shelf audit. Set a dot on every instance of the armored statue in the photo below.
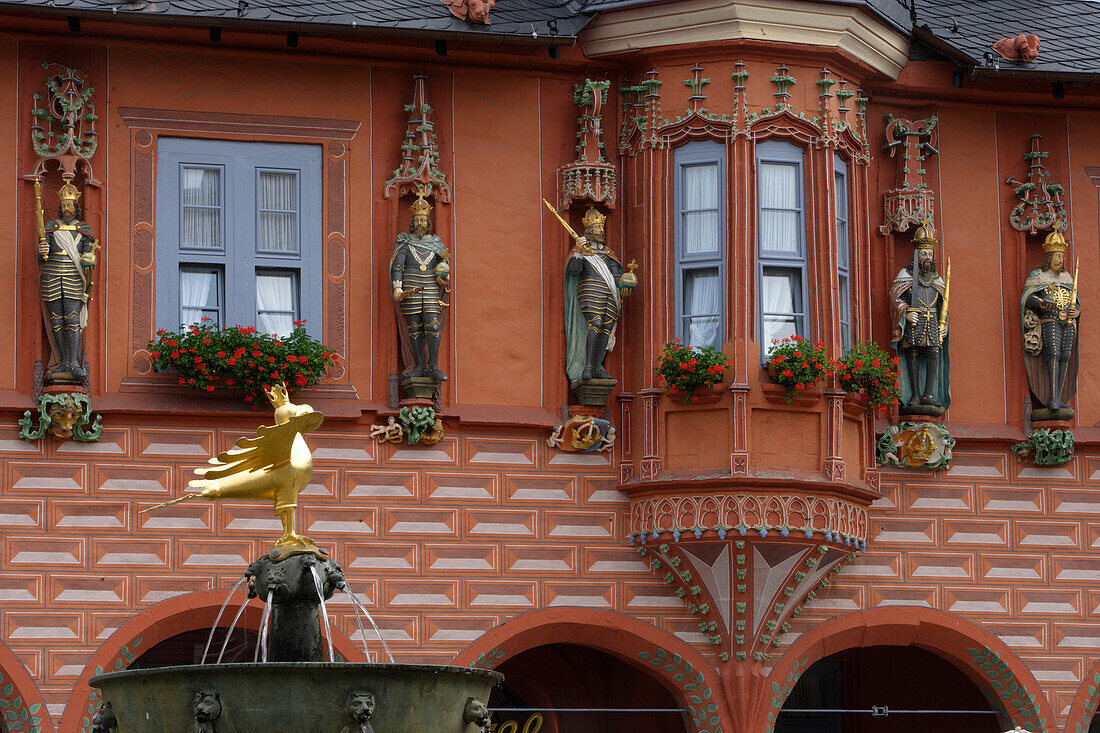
(420, 274)
(1050, 313)
(594, 284)
(66, 254)
(920, 329)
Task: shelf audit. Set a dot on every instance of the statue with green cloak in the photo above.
(920, 335)
(595, 283)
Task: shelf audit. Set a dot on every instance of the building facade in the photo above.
(766, 165)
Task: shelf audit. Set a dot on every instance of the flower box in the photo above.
(691, 374)
(209, 358)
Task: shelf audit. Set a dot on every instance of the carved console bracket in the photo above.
(414, 425)
(1041, 204)
(1046, 447)
(915, 445)
(912, 202)
(63, 415)
(583, 434)
(746, 587)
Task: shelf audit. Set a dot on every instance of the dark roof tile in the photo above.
(1066, 29)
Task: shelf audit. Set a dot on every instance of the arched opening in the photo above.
(188, 648)
(602, 693)
(877, 687)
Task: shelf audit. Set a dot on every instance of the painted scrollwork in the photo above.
(736, 512)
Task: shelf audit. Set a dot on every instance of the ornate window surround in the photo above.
(146, 126)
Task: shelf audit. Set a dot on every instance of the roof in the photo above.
(538, 20)
(545, 21)
(966, 30)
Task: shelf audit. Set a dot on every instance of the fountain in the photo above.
(290, 686)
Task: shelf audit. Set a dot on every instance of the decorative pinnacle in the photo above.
(697, 83)
(783, 81)
(740, 75)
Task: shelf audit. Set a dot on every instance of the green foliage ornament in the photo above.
(1046, 447)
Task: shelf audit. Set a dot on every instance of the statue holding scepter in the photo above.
(420, 274)
(920, 332)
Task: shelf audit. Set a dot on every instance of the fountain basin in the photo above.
(295, 697)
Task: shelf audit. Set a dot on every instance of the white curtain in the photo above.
(782, 290)
(779, 215)
(845, 312)
(702, 307)
(278, 207)
(201, 200)
(275, 303)
(196, 287)
(700, 206)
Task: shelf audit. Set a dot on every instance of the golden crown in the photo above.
(925, 236)
(277, 395)
(69, 192)
(420, 206)
(1055, 242)
(592, 216)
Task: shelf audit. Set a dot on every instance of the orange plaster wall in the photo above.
(498, 283)
(9, 185)
(1085, 149)
(971, 220)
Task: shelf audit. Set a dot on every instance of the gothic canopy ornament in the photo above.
(1041, 205)
(419, 167)
(63, 128)
(591, 177)
(912, 202)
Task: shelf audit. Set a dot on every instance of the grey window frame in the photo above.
(699, 152)
(240, 257)
(783, 153)
(843, 249)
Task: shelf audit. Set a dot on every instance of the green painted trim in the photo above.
(703, 711)
(1008, 690)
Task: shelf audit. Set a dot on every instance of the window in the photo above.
(781, 233)
(238, 234)
(700, 243)
(840, 183)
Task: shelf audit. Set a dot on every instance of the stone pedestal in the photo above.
(1042, 414)
(913, 412)
(295, 613)
(922, 418)
(586, 411)
(593, 392)
(422, 388)
(1051, 424)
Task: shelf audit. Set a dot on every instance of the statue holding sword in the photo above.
(1050, 313)
(66, 254)
(595, 283)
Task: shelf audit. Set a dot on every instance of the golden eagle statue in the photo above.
(274, 465)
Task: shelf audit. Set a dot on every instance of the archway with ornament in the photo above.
(925, 642)
(580, 670)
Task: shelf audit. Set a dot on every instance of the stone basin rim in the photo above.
(343, 667)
